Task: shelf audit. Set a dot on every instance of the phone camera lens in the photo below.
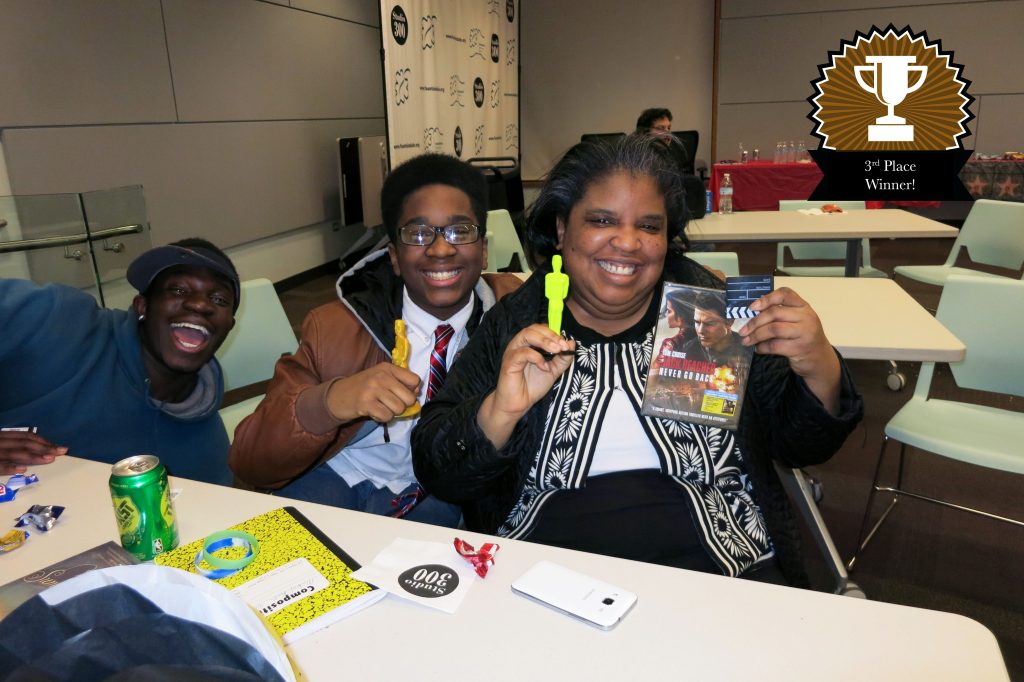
(607, 601)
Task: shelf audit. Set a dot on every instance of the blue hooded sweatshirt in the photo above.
(75, 372)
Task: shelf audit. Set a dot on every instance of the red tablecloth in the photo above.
(759, 185)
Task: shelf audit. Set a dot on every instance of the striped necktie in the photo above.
(438, 368)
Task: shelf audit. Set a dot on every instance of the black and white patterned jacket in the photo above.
(781, 420)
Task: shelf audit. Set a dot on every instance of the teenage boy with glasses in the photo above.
(327, 430)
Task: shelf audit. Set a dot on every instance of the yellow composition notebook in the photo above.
(299, 582)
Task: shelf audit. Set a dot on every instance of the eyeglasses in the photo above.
(424, 235)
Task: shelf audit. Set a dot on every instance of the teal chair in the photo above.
(804, 251)
(232, 415)
(984, 313)
(503, 242)
(993, 234)
(726, 261)
(261, 335)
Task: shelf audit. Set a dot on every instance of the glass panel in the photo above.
(120, 232)
(46, 238)
(32, 221)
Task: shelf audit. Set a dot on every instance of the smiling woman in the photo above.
(108, 384)
(550, 447)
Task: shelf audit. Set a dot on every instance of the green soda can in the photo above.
(142, 506)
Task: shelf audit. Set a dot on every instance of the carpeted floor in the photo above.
(924, 556)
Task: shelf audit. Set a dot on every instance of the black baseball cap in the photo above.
(146, 267)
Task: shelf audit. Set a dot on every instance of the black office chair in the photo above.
(504, 183)
(690, 140)
(597, 137)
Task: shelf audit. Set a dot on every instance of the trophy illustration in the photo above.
(890, 84)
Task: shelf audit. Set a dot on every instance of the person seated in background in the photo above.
(328, 430)
(553, 448)
(108, 384)
(657, 122)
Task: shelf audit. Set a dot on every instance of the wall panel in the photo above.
(1003, 130)
(769, 56)
(362, 11)
(232, 182)
(592, 66)
(89, 61)
(236, 60)
(732, 9)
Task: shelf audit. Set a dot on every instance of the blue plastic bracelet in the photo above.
(224, 568)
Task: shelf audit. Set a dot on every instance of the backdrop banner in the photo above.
(451, 71)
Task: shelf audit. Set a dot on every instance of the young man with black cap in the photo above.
(107, 384)
(328, 429)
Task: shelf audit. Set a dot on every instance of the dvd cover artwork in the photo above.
(699, 366)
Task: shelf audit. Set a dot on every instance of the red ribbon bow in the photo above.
(481, 560)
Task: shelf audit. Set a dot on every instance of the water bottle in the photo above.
(790, 152)
(725, 195)
(801, 152)
(779, 153)
(756, 156)
(743, 154)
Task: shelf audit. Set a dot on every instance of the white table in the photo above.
(685, 625)
(875, 319)
(792, 226)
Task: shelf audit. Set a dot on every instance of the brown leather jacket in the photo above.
(291, 431)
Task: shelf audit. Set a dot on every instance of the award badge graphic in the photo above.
(890, 112)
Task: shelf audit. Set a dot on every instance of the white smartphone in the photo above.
(575, 594)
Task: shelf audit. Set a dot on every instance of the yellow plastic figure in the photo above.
(400, 358)
(556, 288)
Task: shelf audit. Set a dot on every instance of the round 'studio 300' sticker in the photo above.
(429, 580)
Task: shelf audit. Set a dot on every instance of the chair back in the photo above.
(726, 261)
(503, 242)
(985, 314)
(819, 250)
(504, 181)
(689, 139)
(599, 137)
(261, 335)
(993, 234)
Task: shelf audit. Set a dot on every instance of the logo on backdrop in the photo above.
(495, 93)
(477, 46)
(456, 90)
(478, 140)
(478, 92)
(510, 51)
(401, 87)
(495, 48)
(510, 10)
(427, 25)
(493, 7)
(458, 141)
(890, 110)
(399, 25)
(511, 136)
(433, 139)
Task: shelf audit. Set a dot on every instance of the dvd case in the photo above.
(699, 366)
